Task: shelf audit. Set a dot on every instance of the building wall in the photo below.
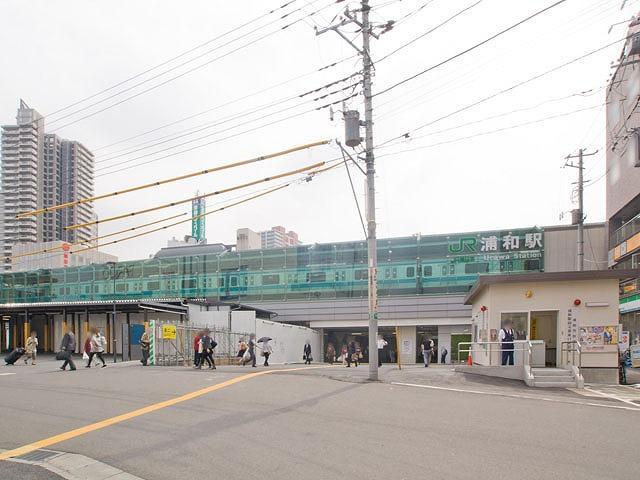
(561, 248)
(247, 239)
(55, 257)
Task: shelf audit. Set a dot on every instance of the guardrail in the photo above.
(525, 344)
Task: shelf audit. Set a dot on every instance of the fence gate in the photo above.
(172, 344)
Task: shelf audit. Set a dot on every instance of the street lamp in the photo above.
(112, 265)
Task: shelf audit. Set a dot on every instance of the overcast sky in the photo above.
(448, 178)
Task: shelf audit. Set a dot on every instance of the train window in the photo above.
(221, 281)
(427, 271)
(360, 274)
(476, 268)
(188, 283)
(234, 281)
(72, 275)
(153, 285)
(444, 270)
(316, 277)
(411, 272)
(340, 276)
(387, 272)
(151, 270)
(394, 272)
(245, 280)
(122, 287)
(86, 276)
(273, 279)
(532, 264)
(452, 269)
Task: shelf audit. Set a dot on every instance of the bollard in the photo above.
(115, 350)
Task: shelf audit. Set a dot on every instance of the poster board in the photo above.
(594, 338)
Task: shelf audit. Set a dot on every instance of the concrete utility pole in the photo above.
(370, 173)
(580, 212)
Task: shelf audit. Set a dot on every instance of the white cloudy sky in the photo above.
(58, 52)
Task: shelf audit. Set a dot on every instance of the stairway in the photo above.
(553, 377)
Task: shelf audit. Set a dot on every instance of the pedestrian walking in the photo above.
(242, 348)
(344, 355)
(426, 346)
(252, 350)
(381, 344)
(506, 337)
(87, 347)
(443, 355)
(205, 350)
(196, 350)
(331, 353)
(67, 347)
(31, 348)
(97, 347)
(145, 345)
(306, 355)
(352, 354)
(267, 350)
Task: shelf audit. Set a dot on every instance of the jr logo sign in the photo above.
(462, 245)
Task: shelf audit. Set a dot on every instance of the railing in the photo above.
(571, 348)
(489, 350)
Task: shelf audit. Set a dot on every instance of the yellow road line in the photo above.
(92, 427)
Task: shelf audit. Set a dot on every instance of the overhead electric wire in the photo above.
(480, 134)
(501, 92)
(470, 49)
(173, 179)
(186, 72)
(208, 125)
(230, 102)
(431, 30)
(190, 199)
(165, 62)
(253, 129)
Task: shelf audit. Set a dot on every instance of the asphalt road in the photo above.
(321, 424)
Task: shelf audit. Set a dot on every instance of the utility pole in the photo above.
(365, 27)
(578, 215)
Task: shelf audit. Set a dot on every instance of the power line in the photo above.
(172, 179)
(186, 52)
(477, 45)
(230, 102)
(480, 134)
(253, 129)
(186, 72)
(503, 91)
(431, 30)
(206, 126)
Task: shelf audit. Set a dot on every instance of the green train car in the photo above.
(415, 265)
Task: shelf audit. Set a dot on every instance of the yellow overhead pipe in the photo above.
(190, 199)
(173, 179)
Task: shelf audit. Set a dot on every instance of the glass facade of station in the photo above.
(416, 265)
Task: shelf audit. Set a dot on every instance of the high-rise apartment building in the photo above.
(276, 237)
(41, 170)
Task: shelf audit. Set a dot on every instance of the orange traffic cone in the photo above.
(469, 360)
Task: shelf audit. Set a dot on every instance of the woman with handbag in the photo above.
(242, 348)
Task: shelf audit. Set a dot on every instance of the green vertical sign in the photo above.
(198, 207)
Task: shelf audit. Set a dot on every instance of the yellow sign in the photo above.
(169, 332)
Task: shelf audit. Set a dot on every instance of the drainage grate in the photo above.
(37, 455)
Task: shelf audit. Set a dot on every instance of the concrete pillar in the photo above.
(408, 345)
(444, 341)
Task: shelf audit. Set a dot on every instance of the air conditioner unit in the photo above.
(633, 47)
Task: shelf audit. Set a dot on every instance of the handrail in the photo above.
(524, 343)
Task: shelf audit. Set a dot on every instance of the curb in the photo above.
(72, 466)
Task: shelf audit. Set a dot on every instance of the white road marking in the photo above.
(520, 396)
(5, 374)
(608, 395)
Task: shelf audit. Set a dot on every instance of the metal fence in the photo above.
(180, 350)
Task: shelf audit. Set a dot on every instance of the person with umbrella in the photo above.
(266, 349)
